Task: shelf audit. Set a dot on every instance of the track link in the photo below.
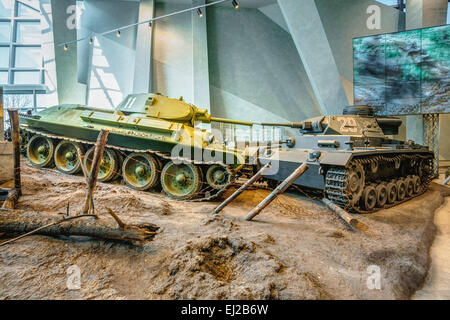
(336, 180)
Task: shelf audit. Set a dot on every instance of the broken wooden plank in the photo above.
(53, 225)
(96, 160)
(15, 134)
(278, 190)
(251, 181)
(350, 221)
(11, 200)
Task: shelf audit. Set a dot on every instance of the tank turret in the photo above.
(161, 107)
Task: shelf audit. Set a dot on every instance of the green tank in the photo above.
(152, 142)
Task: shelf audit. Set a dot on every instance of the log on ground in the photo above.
(14, 222)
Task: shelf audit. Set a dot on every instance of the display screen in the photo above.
(403, 73)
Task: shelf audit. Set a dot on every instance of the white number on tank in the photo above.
(348, 124)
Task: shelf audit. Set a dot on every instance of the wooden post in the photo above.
(351, 222)
(2, 116)
(447, 180)
(11, 199)
(278, 190)
(96, 160)
(15, 133)
(241, 189)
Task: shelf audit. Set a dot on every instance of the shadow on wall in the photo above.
(110, 73)
(255, 70)
(173, 53)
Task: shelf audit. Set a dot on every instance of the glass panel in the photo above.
(27, 77)
(28, 57)
(28, 32)
(6, 7)
(42, 101)
(18, 100)
(4, 57)
(27, 12)
(5, 32)
(3, 77)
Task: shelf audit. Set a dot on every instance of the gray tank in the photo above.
(353, 160)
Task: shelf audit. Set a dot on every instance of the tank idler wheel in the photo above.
(181, 181)
(40, 151)
(417, 184)
(217, 176)
(382, 195)
(369, 198)
(391, 192)
(140, 171)
(66, 157)
(401, 189)
(409, 187)
(108, 165)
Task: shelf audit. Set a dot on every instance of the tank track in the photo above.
(336, 181)
(206, 194)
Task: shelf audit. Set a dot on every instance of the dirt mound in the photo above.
(230, 268)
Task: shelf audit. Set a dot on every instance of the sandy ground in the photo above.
(296, 248)
(437, 283)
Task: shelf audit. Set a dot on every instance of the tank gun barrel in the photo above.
(296, 125)
(223, 120)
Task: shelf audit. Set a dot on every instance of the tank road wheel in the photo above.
(382, 195)
(108, 165)
(40, 151)
(140, 171)
(409, 187)
(391, 192)
(369, 198)
(355, 182)
(66, 157)
(181, 181)
(417, 185)
(401, 190)
(217, 176)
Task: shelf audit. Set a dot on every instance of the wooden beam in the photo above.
(92, 179)
(15, 133)
(278, 190)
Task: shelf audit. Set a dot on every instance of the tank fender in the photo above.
(335, 158)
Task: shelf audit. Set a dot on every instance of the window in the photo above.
(21, 61)
(25, 11)
(28, 57)
(6, 7)
(27, 77)
(3, 77)
(4, 57)
(28, 32)
(20, 43)
(5, 31)
(448, 13)
(398, 4)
